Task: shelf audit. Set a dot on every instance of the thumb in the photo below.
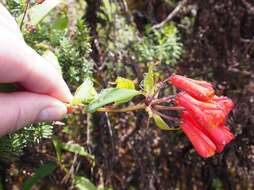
(22, 108)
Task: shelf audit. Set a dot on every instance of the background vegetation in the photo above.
(104, 39)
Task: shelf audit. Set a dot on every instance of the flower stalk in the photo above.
(127, 109)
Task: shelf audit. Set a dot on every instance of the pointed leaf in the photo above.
(57, 145)
(149, 83)
(124, 83)
(85, 93)
(83, 183)
(112, 95)
(77, 149)
(160, 122)
(40, 173)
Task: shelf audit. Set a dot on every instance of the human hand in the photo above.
(46, 92)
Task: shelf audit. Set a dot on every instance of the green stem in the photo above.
(127, 109)
(169, 108)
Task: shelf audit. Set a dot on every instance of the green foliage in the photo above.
(112, 95)
(73, 55)
(123, 45)
(11, 146)
(114, 32)
(160, 122)
(85, 93)
(40, 173)
(77, 149)
(8, 150)
(161, 45)
(217, 184)
(116, 36)
(72, 51)
(37, 12)
(124, 83)
(83, 183)
(16, 7)
(149, 81)
(70, 147)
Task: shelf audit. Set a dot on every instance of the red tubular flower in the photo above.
(202, 144)
(224, 102)
(200, 90)
(228, 136)
(219, 135)
(206, 114)
(203, 120)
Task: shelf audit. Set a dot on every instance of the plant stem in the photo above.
(169, 108)
(24, 14)
(127, 109)
(162, 100)
(170, 118)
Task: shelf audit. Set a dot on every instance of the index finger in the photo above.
(8, 18)
(20, 63)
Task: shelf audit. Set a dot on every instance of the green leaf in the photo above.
(39, 11)
(149, 83)
(58, 147)
(161, 123)
(112, 95)
(77, 149)
(124, 83)
(41, 172)
(61, 23)
(51, 58)
(85, 93)
(83, 183)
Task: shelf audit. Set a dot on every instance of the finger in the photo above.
(4, 26)
(4, 12)
(8, 21)
(20, 63)
(23, 108)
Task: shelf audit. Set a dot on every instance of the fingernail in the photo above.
(52, 113)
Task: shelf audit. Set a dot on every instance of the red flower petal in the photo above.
(224, 102)
(202, 144)
(228, 137)
(186, 101)
(199, 89)
(220, 136)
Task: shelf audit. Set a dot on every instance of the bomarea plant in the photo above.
(198, 112)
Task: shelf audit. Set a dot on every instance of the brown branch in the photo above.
(71, 12)
(24, 15)
(163, 100)
(172, 14)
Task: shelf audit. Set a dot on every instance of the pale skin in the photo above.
(46, 93)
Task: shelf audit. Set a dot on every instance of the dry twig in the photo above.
(171, 15)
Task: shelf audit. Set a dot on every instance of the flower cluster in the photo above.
(203, 120)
